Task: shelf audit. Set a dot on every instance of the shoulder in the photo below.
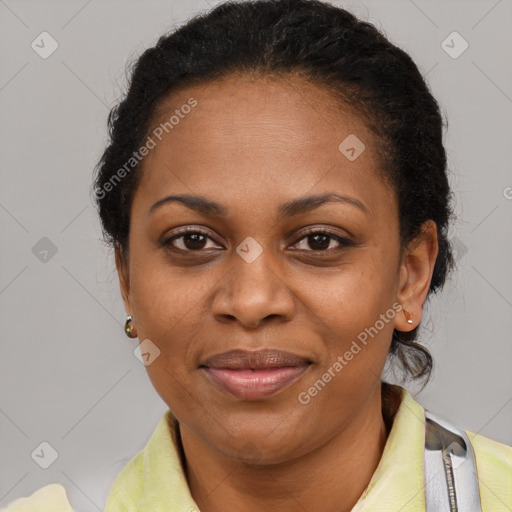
(491, 453)
(128, 485)
(494, 467)
(50, 498)
(493, 461)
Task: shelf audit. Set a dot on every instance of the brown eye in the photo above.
(321, 241)
(194, 241)
(189, 241)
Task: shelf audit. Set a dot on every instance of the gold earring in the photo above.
(128, 328)
(408, 317)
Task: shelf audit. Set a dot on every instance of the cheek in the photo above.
(163, 295)
(169, 308)
(352, 311)
(353, 295)
(355, 321)
(167, 313)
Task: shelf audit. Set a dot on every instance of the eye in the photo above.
(189, 240)
(322, 241)
(196, 240)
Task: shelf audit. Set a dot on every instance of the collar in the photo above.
(154, 478)
(398, 482)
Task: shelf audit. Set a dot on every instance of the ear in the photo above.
(416, 269)
(124, 278)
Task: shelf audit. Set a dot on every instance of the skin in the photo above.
(252, 145)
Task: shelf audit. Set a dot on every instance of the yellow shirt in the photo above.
(153, 480)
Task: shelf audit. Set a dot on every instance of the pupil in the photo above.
(321, 240)
(194, 241)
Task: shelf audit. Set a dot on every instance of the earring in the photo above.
(128, 328)
(408, 317)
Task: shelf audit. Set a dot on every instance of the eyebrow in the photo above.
(295, 207)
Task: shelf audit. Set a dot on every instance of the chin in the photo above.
(259, 448)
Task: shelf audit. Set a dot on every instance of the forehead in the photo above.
(264, 134)
(267, 108)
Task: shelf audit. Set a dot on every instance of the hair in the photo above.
(329, 47)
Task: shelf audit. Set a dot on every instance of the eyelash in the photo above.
(344, 242)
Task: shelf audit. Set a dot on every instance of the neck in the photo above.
(334, 475)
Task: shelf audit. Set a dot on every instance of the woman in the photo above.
(275, 191)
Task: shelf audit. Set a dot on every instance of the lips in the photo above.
(254, 375)
(255, 360)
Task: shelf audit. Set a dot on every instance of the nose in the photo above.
(253, 293)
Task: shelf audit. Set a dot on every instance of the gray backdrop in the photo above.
(68, 375)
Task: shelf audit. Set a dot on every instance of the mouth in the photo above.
(254, 375)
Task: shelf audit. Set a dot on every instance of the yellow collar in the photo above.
(154, 479)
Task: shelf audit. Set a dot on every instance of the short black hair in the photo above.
(329, 47)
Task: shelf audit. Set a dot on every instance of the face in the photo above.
(292, 245)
